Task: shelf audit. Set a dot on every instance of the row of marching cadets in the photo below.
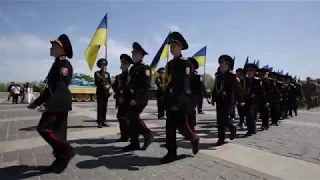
(255, 91)
(177, 97)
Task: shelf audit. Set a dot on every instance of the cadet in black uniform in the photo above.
(226, 88)
(57, 102)
(268, 90)
(275, 100)
(102, 80)
(177, 98)
(197, 91)
(241, 74)
(253, 90)
(122, 94)
(159, 81)
(139, 83)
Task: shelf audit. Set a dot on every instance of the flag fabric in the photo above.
(99, 39)
(163, 52)
(200, 56)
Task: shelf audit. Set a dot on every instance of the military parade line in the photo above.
(255, 92)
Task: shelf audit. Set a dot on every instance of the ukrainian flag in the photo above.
(163, 52)
(200, 56)
(99, 39)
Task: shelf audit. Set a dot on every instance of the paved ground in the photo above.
(289, 151)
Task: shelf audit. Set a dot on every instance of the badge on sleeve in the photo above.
(64, 71)
(147, 72)
(187, 70)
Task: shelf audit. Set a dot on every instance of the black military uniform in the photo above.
(285, 98)
(139, 83)
(268, 90)
(226, 89)
(253, 91)
(102, 81)
(197, 91)
(159, 81)
(177, 99)
(241, 74)
(292, 96)
(276, 99)
(122, 94)
(57, 100)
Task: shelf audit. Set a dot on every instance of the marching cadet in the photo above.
(122, 94)
(275, 99)
(102, 80)
(268, 90)
(252, 89)
(241, 74)
(294, 95)
(226, 89)
(200, 93)
(139, 80)
(177, 98)
(198, 89)
(159, 81)
(56, 102)
(285, 97)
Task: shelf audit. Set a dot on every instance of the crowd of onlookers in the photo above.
(24, 92)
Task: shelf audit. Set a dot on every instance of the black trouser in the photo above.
(123, 120)
(177, 120)
(15, 98)
(200, 103)
(283, 109)
(251, 119)
(9, 95)
(102, 103)
(275, 112)
(241, 113)
(292, 106)
(191, 113)
(223, 120)
(161, 106)
(136, 126)
(264, 115)
(53, 129)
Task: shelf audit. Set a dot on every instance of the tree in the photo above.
(208, 81)
(318, 81)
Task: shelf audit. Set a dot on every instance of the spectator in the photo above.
(15, 90)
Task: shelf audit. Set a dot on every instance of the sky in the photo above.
(283, 34)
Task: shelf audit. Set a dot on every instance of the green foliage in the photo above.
(318, 81)
(208, 81)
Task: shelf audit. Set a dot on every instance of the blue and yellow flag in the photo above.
(163, 52)
(200, 56)
(99, 39)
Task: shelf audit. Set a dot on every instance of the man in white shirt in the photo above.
(15, 93)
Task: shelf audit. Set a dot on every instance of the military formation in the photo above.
(255, 93)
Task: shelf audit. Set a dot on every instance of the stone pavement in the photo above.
(289, 151)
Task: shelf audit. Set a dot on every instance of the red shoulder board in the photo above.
(64, 71)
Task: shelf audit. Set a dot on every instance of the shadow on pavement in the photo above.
(21, 172)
